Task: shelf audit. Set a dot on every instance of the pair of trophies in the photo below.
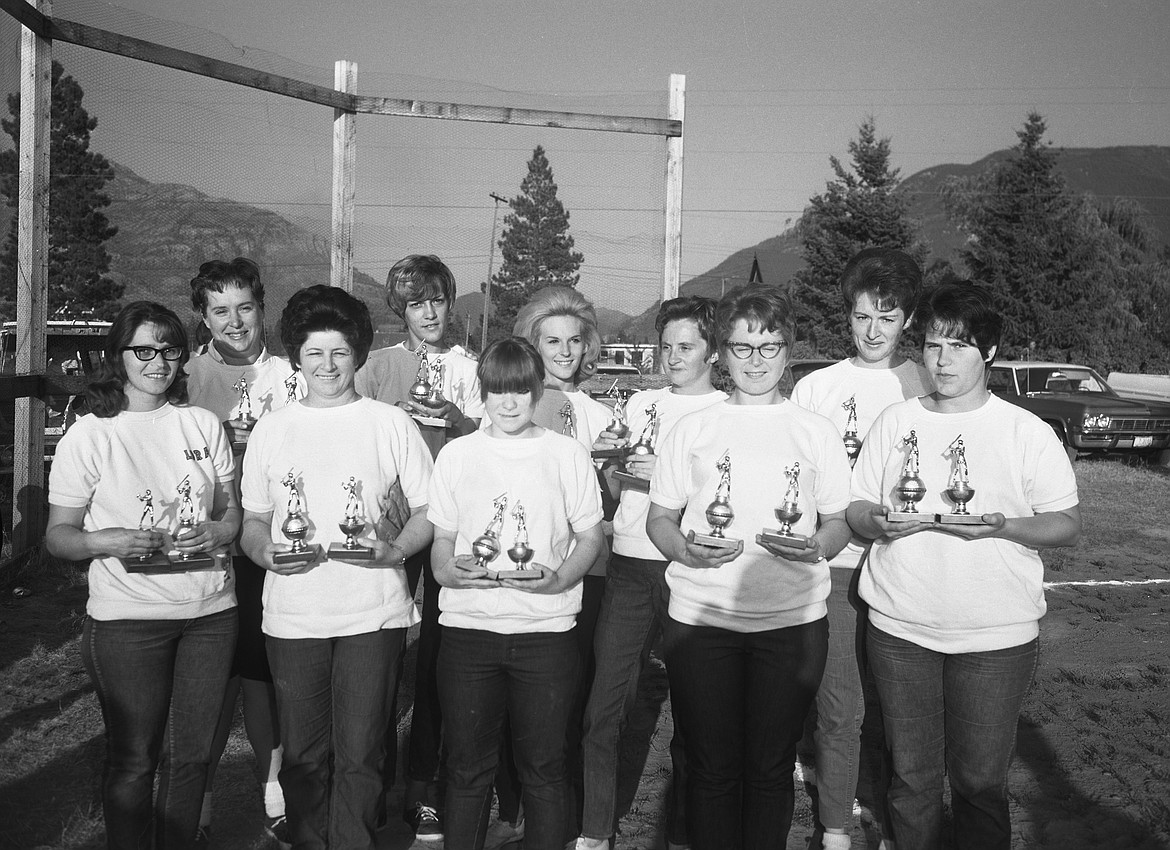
(644, 445)
(719, 513)
(171, 562)
(427, 389)
(245, 418)
(911, 488)
(486, 547)
(296, 528)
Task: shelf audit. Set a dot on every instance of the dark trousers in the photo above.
(742, 698)
(530, 679)
(333, 697)
(151, 676)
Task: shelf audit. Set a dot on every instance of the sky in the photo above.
(773, 89)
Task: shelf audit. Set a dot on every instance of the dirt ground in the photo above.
(1092, 768)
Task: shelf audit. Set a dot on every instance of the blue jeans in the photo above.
(742, 698)
(531, 679)
(633, 610)
(840, 704)
(333, 696)
(151, 676)
(958, 713)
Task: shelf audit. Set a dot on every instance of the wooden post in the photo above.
(344, 179)
(32, 283)
(674, 190)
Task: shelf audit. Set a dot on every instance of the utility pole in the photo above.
(487, 290)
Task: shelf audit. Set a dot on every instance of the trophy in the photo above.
(245, 418)
(152, 562)
(290, 384)
(487, 546)
(850, 438)
(188, 560)
(959, 488)
(295, 527)
(569, 420)
(719, 512)
(910, 487)
(351, 526)
(788, 513)
(420, 390)
(643, 446)
(427, 389)
(617, 426)
(520, 552)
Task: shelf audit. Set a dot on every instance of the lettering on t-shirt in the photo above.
(197, 454)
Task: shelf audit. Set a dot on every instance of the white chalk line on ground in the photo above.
(1050, 585)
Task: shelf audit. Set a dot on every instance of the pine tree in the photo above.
(78, 229)
(860, 208)
(536, 247)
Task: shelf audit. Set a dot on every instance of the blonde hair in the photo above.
(562, 301)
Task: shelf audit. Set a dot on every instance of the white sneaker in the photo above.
(836, 841)
(501, 833)
(584, 843)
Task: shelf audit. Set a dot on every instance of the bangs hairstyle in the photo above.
(562, 301)
(418, 277)
(326, 308)
(697, 309)
(217, 275)
(962, 310)
(764, 308)
(891, 277)
(510, 365)
(106, 393)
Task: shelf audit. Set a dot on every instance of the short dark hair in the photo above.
(765, 308)
(510, 365)
(325, 308)
(106, 392)
(216, 275)
(891, 277)
(962, 310)
(418, 277)
(698, 309)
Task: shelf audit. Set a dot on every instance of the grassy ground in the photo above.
(1093, 767)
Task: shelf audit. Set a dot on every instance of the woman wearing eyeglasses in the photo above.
(158, 647)
(747, 634)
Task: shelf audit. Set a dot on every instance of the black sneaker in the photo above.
(202, 838)
(424, 820)
(277, 829)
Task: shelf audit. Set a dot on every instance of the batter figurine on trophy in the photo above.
(568, 416)
(617, 429)
(187, 524)
(295, 527)
(351, 526)
(788, 513)
(427, 390)
(486, 547)
(420, 390)
(154, 561)
(643, 446)
(244, 420)
(719, 512)
(520, 552)
(911, 489)
(959, 489)
(290, 385)
(850, 438)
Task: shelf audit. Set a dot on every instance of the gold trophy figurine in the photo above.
(617, 426)
(296, 528)
(911, 489)
(187, 525)
(959, 488)
(434, 399)
(850, 438)
(244, 417)
(788, 513)
(520, 552)
(152, 562)
(569, 418)
(487, 546)
(420, 390)
(719, 512)
(290, 385)
(351, 526)
(643, 446)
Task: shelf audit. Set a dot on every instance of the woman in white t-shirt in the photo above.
(335, 625)
(747, 635)
(157, 645)
(954, 609)
(509, 649)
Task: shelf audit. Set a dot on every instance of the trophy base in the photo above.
(792, 541)
(910, 516)
(198, 561)
(605, 454)
(433, 421)
(633, 482)
(345, 553)
(961, 519)
(151, 564)
(305, 556)
(710, 541)
(520, 575)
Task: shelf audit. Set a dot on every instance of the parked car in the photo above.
(798, 368)
(1084, 411)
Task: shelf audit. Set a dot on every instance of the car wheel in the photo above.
(1068, 450)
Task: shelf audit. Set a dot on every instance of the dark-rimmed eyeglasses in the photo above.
(742, 351)
(147, 353)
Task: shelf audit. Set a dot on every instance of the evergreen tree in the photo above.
(536, 247)
(860, 208)
(78, 229)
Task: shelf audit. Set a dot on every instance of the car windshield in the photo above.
(1066, 379)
